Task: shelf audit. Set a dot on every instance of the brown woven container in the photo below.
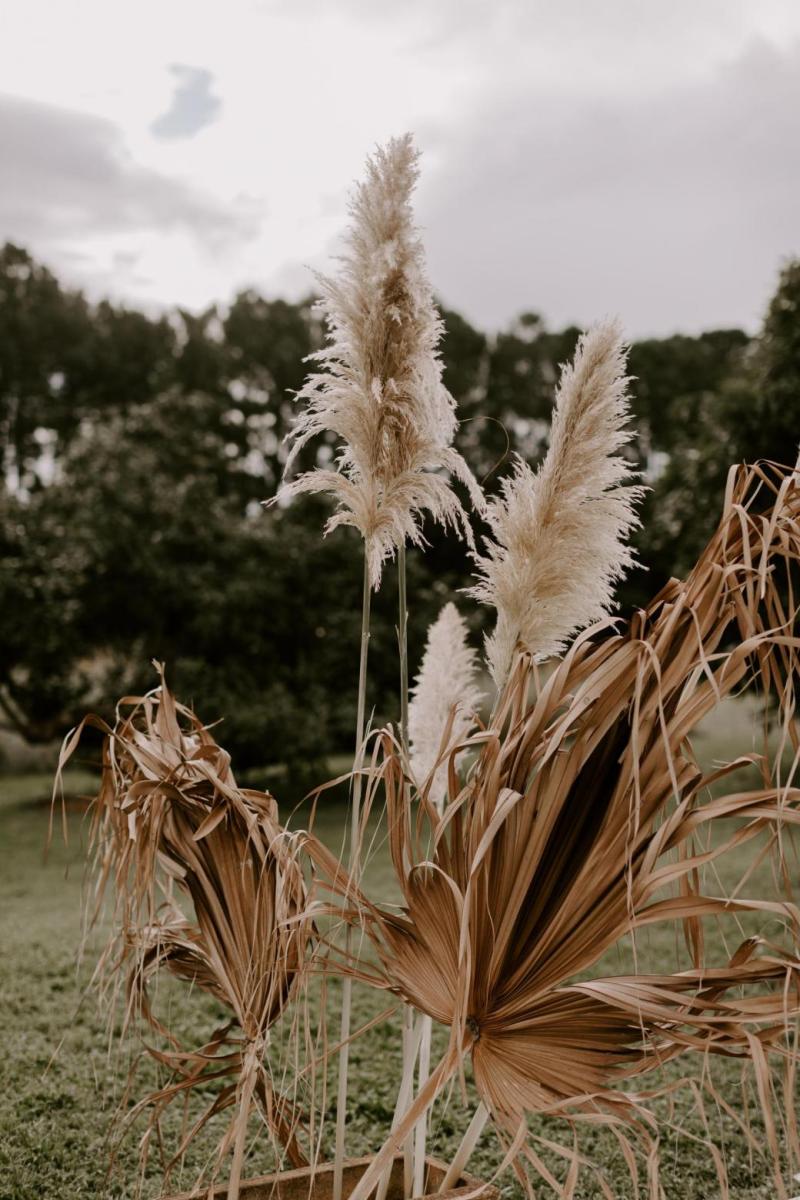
(307, 1184)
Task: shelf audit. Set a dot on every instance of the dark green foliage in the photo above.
(43, 333)
(744, 405)
(137, 451)
(673, 377)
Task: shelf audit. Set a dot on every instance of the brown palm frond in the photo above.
(581, 812)
(169, 820)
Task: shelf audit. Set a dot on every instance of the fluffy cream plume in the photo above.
(379, 388)
(446, 680)
(558, 540)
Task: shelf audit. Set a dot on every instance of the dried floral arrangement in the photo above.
(530, 830)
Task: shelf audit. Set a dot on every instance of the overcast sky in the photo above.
(581, 157)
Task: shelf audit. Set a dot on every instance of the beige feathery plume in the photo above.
(379, 388)
(558, 535)
(446, 680)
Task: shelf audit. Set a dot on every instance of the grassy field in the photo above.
(61, 1077)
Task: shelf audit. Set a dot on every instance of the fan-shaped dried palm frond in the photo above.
(170, 818)
(582, 808)
(558, 540)
(379, 389)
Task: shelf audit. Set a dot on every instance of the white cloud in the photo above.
(75, 194)
(579, 157)
(674, 211)
(68, 174)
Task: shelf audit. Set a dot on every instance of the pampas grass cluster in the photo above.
(379, 388)
(558, 535)
(523, 849)
(379, 392)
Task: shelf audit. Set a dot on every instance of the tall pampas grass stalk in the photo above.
(379, 391)
(379, 386)
(558, 535)
(444, 700)
(355, 855)
(408, 1045)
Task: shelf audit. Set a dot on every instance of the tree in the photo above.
(673, 379)
(43, 334)
(145, 548)
(137, 452)
(267, 343)
(750, 411)
(766, 424)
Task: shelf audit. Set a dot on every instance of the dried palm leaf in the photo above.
(583, 807)
(169, 819)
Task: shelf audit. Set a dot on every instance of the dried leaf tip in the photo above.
(558, 535)
(379, 385)
(446, 682)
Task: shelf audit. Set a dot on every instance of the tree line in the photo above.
(137, 451)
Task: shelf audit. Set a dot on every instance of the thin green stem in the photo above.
(355, 871)
(410, 1044)
(402, 638)
(355, 819)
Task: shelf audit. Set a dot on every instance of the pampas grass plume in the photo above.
(446, 680)
(558, 535)
(379, 385)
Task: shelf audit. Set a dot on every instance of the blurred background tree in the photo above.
(137, 451)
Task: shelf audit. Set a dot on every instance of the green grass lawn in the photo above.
(61, 1075)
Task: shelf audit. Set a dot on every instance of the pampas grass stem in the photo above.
(402, 639)
(409, 1048)
(355, 838)
(464, 1151)
(410, 1045)
(421, 1130)
(404, 1098)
